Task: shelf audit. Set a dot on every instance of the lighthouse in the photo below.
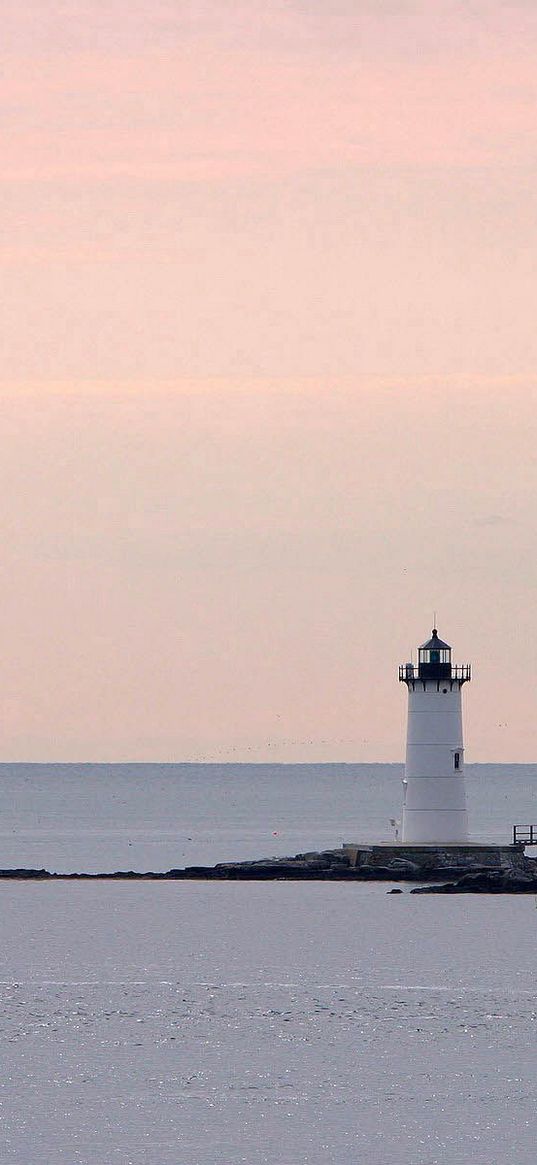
(434, 801)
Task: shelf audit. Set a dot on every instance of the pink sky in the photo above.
(268, 378)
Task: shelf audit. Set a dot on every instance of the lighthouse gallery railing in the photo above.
(410, 671)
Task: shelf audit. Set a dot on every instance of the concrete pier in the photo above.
(439, 860)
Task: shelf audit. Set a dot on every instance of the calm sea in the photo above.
(259, 1023)
(153, 817)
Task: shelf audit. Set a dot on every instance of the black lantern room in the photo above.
(434, 659)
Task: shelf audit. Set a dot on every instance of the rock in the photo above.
(336, 857)
(202, 872)
(403, 864)
(486, 882)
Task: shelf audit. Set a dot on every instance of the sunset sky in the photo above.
(268, 388)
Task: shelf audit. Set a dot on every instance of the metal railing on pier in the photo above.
(524, 834)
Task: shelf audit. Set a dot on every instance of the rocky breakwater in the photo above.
(350, 863)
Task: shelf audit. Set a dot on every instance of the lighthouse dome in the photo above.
(434, 643)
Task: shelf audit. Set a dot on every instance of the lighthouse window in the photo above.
(457, 760)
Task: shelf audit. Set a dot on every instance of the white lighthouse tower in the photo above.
(434, 801)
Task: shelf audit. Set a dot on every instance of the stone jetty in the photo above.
(458, 868)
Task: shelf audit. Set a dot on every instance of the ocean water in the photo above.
(153, 817)
(258, 1023)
